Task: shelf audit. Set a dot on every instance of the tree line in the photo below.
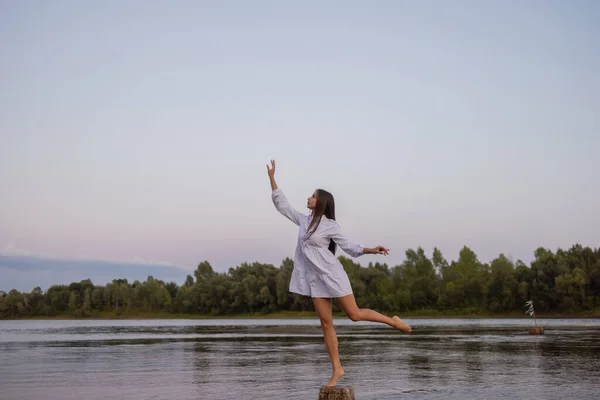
(561, 281)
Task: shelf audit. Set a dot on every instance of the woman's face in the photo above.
(311, 202)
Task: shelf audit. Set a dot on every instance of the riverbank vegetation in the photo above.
(561, 283)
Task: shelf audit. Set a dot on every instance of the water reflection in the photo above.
(472, 362)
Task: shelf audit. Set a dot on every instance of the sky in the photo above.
(137, 132)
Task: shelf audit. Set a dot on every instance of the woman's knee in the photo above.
(326, 322)
(348, 304)
(354, 315)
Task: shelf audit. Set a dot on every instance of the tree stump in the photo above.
(538, 330)
(336, 393)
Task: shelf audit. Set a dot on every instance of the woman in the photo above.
(318, 273)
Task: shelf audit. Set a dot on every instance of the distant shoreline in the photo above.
(299, 315)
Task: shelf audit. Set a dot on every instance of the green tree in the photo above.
(503, 285)
(204, 272)
(87, 301)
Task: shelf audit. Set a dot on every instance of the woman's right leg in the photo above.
(323, 308)
(348, 304)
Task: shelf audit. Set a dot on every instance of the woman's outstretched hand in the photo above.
(381, 250)
(271, 171)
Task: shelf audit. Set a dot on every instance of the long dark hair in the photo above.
(325, 206)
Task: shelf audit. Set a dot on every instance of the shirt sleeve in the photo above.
(283, 206)
(351, 248)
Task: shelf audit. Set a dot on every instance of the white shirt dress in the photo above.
(317, 271)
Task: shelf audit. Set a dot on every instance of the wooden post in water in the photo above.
(537, 330)
(336, 393)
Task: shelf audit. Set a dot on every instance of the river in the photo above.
(287, 359)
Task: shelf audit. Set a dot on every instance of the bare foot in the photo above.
(401, 325)
(337, 374)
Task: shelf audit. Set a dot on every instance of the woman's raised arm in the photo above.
(280, 201)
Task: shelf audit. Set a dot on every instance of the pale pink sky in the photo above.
(144, 135)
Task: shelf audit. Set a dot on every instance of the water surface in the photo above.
(287, 359)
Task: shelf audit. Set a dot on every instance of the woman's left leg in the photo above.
(323, 308)
(348, 304)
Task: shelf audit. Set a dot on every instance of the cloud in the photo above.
(22, 271)
(12, 250)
